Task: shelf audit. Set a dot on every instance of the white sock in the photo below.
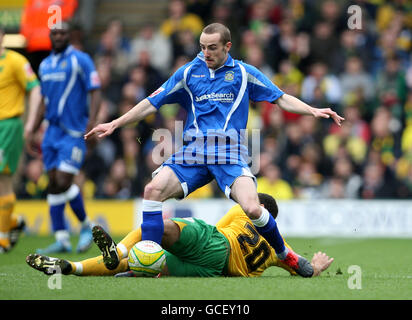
(79, 268)
(4, 235)
(151, 205)
(123, 250)
(263, 219)
(63, 236)
(72, 192)
(86, 223)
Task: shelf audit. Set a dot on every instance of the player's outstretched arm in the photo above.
(320, 262)
(137, 113)
(293, 104)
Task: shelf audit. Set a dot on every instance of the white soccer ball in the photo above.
(146, 258)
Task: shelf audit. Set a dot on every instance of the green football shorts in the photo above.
(11, 144)
(201, 251)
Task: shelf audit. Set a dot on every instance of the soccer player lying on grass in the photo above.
(193, 248)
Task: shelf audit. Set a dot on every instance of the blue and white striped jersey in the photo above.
(216, 101)
(66, 78)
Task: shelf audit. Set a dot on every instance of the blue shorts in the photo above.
(194, 176)
(62, 151)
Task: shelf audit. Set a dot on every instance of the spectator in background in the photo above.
(270, 182)
(288, 74)
(396, 21)
(354, 136)
(344, 169)
(407, 181)
(351, 45)
(117, 185)
(356, 83)
(308, 181)
(34, 182)
(255, 57)
(258, 21)
(179, 19)
(115, 48)
(111, 90)
(378, 183)
(333, 188)
(323, 44)
(185, 44)
(130, 150)
(404, 164)
(320, 87)
(385, 142)
(135, 89)
(384, 49)
(289, 78)
(281, 44)
(291, 151)
(157, 46)
(332, 12)
(391, 87)
(229, 13)
(154, 77)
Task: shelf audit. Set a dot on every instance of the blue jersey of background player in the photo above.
(67, 76)
(215, 89)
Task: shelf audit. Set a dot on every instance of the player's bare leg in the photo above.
(165, 185)
(245, 194)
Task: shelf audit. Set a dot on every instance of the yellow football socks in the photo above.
(6, 209)
(128, 242)
(95, 266)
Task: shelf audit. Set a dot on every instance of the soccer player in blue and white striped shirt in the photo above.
(215, 90)
(67, 78)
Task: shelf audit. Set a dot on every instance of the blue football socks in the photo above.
(57, 202)
(266, 225)
(76, 202)
(152, 225)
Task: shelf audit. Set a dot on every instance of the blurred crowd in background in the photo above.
(308, 51)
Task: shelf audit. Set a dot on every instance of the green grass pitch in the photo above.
(385, 267)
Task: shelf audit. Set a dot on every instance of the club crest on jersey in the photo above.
(155, 93)
(63, 64)
(28, 70)
(229, 76)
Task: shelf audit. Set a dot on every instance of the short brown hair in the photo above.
(224, 32)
